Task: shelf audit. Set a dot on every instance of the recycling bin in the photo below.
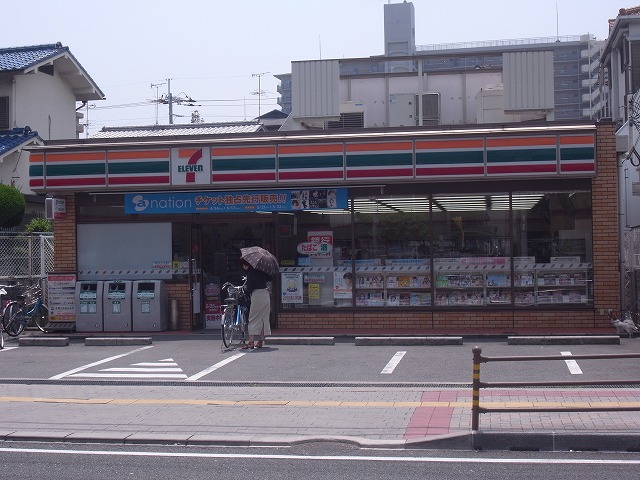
(117, 306)
(150, 306)
(88, 299)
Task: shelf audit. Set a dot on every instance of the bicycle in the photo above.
(25, 306)
(3, 292)
(234, 318)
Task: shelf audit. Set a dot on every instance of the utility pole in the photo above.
(181, 99)
(259, 92)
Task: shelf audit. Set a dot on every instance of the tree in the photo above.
(12, 206)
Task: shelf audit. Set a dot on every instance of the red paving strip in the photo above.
(426, 421)
(431, 420)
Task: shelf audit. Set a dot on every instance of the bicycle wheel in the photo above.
(228, 327)
(41, 317)
(243, 323)
(13, 319)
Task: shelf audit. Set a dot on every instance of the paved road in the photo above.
(320, 461)
(186, 390)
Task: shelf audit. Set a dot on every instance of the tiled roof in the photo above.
(27, 59)
(178, 130)
(21, 58)
(12, 139)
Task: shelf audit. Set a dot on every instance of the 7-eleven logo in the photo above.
(190, 166)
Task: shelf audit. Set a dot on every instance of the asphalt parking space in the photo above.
(200, 358)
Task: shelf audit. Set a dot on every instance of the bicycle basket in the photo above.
(31, 294)
(237, 293)
(16, 292)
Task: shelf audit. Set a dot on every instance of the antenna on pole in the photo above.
(259, 92)
(557, 24)
(157, 86)
(170, 98)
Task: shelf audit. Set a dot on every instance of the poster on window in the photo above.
(324, 241)
(342, 284)
(291, 287)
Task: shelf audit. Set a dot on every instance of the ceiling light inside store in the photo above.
(392, 205)
(330, 212)
(463, 203)
(490, 202)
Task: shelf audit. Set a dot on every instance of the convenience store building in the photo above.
(483, 229)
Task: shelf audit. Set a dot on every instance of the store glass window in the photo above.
(553, 248)
(443, 251)
(315, 249)
(471, 250)
(391, 251)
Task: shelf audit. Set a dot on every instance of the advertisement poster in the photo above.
(342, 284)
(235, 201)
(291, 287)
(61, 297)
(314, 291)
(319, 244)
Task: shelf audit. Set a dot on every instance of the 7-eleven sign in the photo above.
(191, 166)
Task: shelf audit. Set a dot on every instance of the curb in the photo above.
(565, 340)
(407, 341)
(504, 441)
(300, 341)
(555, 441)
(110, 341)
(37, 341)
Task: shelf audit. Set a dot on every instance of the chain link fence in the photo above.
(25, 257)
(631, 270)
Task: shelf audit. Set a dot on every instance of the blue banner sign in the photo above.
(233, 202)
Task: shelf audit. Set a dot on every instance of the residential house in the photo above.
(40, 90)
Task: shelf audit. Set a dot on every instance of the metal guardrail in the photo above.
(478, 358)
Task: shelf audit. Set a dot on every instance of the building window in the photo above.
(4, 113)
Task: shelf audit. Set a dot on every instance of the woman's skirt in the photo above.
(260, 312)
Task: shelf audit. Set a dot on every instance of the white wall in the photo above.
(457, 92)
(372, 93)
(47, 105)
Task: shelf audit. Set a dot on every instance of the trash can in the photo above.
(88, 299)
(117, 306)
(150, 306)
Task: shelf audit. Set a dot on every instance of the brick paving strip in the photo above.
(375, 413)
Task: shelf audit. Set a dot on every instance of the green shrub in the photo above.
(39, 224)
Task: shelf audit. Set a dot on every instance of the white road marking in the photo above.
(574, 368)
(129, 375)
(100, 362)
(147, 370)
(7, 348)
(162, 369)
(454, 459)
(210, 369)
(393, 363)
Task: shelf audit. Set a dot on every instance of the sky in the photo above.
(222, 53)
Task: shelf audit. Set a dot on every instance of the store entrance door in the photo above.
(195, 276)
(221, 241)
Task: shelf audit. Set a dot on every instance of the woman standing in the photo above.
(260, 310)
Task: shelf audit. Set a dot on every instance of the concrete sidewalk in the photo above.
(259, 414)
